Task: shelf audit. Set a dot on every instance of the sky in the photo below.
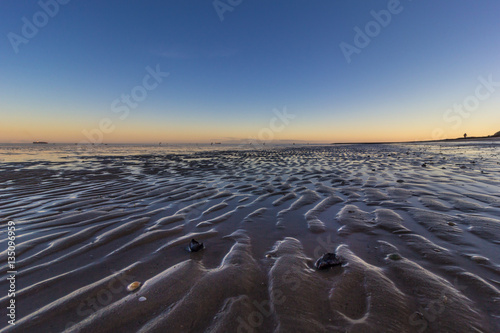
(229, 70)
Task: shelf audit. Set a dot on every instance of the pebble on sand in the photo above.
(394, 256)
(133, 286)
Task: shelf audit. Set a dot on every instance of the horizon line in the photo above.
(242, 142)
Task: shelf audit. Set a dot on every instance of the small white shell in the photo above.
(133, 286)
(142, 299)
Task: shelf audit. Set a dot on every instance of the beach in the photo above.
(416, 229)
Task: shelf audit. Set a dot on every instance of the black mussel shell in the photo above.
(194, 246)
(328, 260)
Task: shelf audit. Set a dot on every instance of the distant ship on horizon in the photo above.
(40, 142)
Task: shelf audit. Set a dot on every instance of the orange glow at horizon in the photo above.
(17, 127)
(63, 133)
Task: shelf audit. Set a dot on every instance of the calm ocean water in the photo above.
(28, 152)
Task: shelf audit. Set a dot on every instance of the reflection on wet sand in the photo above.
(417, 247)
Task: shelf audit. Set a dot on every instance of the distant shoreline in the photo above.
(298, 143)
(474, 138)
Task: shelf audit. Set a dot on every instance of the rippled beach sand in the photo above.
(417, 228)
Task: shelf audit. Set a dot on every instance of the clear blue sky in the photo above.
(226, 77)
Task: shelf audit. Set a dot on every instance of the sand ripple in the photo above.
(419, 245)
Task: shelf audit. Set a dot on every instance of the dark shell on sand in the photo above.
(194, 246)
(328, 260)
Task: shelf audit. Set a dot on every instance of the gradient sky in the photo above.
(227, 76)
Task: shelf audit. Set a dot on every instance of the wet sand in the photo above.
(417, 228)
